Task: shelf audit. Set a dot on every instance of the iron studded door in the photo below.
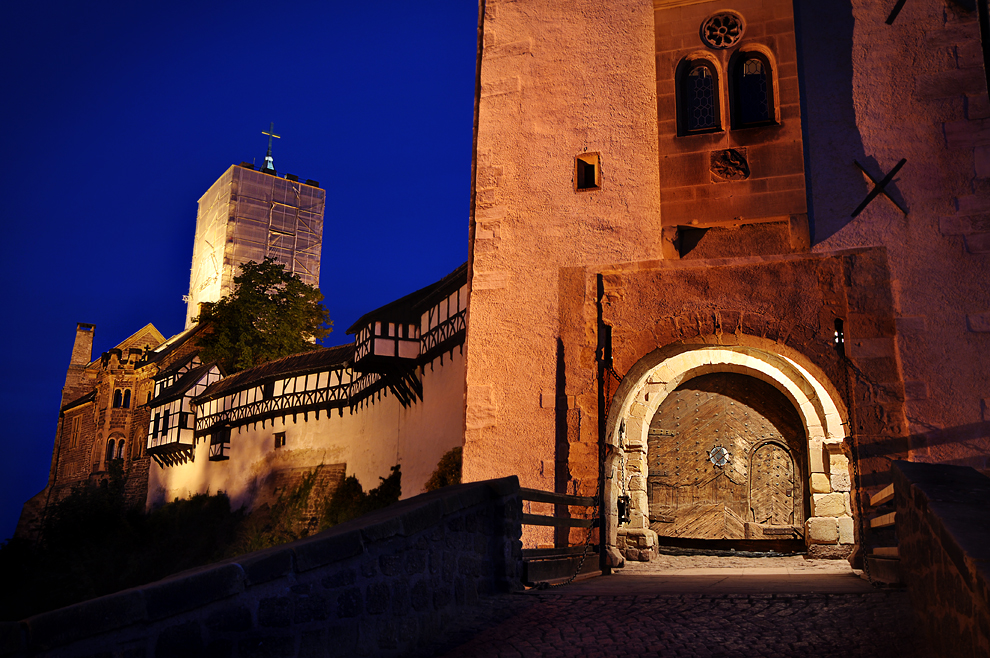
(723, 456)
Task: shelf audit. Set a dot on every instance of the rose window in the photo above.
(722, 30)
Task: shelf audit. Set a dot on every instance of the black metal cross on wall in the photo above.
(879, 187)
(896, 10)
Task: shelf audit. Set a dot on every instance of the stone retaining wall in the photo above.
(943, 533)
(380, 585)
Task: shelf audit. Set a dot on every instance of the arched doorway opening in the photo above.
(798, 441)
(726, 454)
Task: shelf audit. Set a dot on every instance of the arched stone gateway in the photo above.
(733, 443)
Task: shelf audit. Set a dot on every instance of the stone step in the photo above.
(885, 495)
(884, 570)
(883, 521)
(886, 552)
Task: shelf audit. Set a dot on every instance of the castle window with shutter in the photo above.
(74, 424)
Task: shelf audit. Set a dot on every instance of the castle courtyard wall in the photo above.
(368, 440)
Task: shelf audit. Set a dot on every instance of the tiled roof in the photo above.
(296, 364)
(172, 344)
(408, 309)
(78, 402)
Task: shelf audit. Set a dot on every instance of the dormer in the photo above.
(382, 342)
(171, 426)
(397, 333)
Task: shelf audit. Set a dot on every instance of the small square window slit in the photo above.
(587, 172)
(279, 440)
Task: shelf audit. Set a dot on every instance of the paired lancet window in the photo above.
(122, 399)
(115, 449)
(750, 92)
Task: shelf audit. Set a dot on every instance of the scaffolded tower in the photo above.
(249, 215)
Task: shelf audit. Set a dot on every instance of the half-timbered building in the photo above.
(394, 396)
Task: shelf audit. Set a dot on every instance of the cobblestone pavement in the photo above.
(559, 622)
(682, 563)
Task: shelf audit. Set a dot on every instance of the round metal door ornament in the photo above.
(722, 30)
(718, 455)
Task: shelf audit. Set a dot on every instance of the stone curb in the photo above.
(82, 620)
(12, 637)
(190, 591)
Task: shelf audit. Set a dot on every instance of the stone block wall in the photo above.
(768, 179)
(943, 533)
(380, 585)
(785, 304)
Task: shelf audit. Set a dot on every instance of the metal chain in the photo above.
(596, 514)
(857, 476)
(862, 511)
(587, 543)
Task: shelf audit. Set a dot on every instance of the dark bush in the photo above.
(349, 500)
(92, 544)
(448, 471)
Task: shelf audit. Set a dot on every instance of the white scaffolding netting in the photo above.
(248, 215)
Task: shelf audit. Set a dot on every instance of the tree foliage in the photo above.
(350, 501)
(94, 544)
(448, 470)
(270, 314)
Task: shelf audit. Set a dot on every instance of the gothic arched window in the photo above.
(120, 449)
(110, 451)
(753, 91)
(117, 397)
(699, 91)
(126, 404)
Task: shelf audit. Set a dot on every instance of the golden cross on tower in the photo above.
(269, 163)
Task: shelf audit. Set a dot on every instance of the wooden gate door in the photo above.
(725, 456)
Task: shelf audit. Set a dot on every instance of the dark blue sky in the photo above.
(117, 116)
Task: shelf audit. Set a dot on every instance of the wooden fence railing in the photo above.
(559, 562)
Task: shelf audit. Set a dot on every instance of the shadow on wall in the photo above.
(956, 435)
(893, 448)
(562, 473)
(832, 142)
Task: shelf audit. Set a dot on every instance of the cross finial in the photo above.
(269, 163)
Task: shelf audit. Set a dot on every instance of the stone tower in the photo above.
(250, 215)
(738, 253)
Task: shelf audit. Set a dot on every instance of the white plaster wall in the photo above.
(206, 275)
(369, 441)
